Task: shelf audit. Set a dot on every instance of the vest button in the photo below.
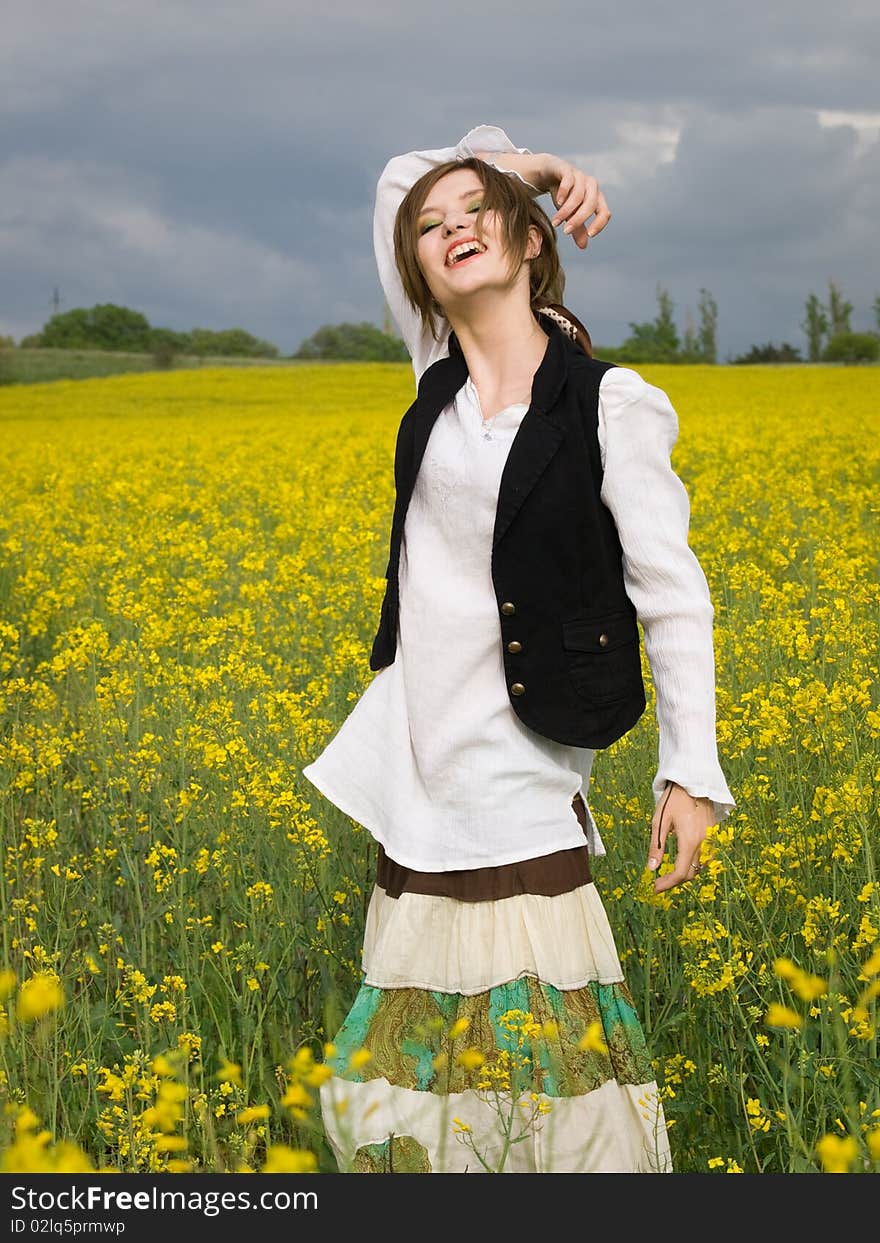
(518, 689)
(603, 640)
(508, 608)
(514, 646)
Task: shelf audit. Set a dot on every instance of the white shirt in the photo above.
(433, 760)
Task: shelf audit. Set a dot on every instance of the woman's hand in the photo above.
(577, 197)
(688, 818)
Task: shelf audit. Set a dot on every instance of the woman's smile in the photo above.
(461, 262)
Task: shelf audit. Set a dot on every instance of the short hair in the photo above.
(517, 212)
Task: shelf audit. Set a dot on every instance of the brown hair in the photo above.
(517, 211)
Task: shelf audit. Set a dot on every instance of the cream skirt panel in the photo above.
(422, 941)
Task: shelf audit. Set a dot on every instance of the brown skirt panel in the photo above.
(549, 875)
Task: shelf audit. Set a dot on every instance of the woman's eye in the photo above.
(427, 227)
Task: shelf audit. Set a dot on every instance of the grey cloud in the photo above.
(215, 164)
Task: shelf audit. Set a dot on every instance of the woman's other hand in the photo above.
(577, 197)
(689, 819)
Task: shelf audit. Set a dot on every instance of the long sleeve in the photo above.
(399, 175)
(638, 428)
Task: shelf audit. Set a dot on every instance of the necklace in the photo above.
(489, 423)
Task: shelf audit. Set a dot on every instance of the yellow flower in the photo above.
(229, 1072)
(296, 1096)
(7, 983)
(873, 1141)
(458, 1027)
(283, 1160)
(161, 1065)
(782, 1016)
(470, 1059)
(359, 1058)
(39, 995)
(460, 1128)
(872, 966)
(318, 1074)
(591, 1041)
(302, 1061)
(808, 987)
(837, 1154)
(255, 1113)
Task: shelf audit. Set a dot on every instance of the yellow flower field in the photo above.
(190, 578)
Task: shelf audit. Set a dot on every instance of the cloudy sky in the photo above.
(214, 164)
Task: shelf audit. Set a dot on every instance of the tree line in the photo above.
(120, 329)
(826, 326)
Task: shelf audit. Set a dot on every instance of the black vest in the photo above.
(568, 631)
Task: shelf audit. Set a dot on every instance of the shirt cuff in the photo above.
(491, 139)
(723, 801)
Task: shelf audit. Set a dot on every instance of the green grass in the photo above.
(28, 366)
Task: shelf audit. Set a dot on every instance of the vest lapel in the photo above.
(538, 436)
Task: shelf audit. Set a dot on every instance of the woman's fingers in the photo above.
(687, 865)
(603, 215)
(579, 197)
(679, 813)
(661, 823)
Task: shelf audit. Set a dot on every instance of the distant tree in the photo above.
(839, 311)
(229, 343)
(165, 345)
(877, 311)
(770, 353)
(655, 342)
(814, 326)
(852, 347)
(7, 346)
(101, 327)
(362, 342)
(708, 308)
(690, 344)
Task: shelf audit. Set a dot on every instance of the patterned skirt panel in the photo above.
(493, 1030)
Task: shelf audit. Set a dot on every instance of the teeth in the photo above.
(453, 254)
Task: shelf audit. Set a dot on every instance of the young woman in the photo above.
(499, 1031)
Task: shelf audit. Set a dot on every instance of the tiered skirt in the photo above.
(493, 1031)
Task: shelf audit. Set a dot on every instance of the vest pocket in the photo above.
(602, 654)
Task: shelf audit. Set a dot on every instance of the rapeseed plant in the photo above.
(191, 567)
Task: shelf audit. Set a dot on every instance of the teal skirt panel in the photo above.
(524, 1035)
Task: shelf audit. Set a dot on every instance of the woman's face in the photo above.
(446, 220)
